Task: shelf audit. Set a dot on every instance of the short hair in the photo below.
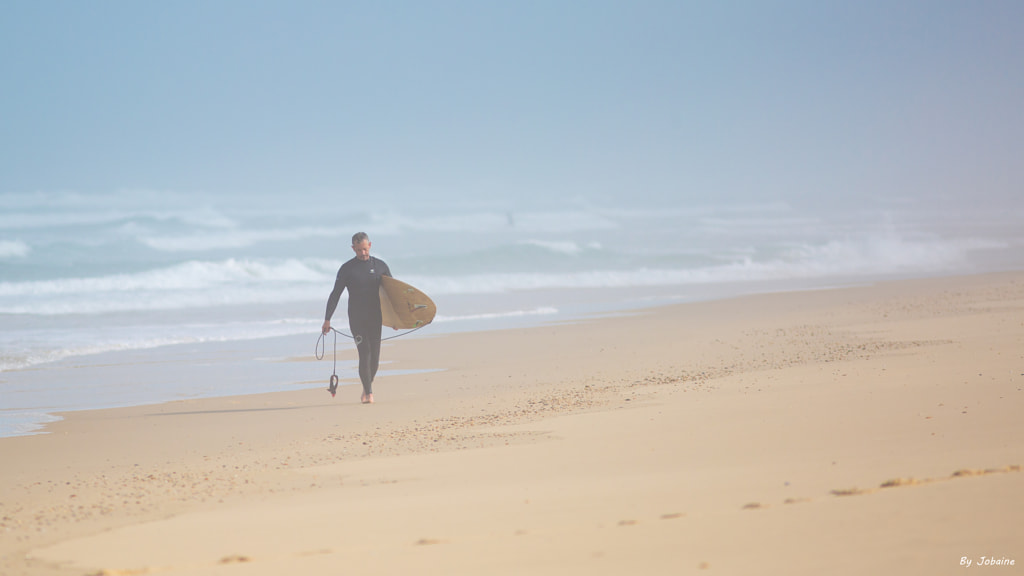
(359, 237)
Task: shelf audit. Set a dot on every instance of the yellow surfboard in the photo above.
(403, 306)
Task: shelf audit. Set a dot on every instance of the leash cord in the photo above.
(319, 350)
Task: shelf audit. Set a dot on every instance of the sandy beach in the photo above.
(865, 430)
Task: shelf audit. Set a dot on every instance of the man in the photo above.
(361, 275)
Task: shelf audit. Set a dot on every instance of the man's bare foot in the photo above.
(363, 399)
(369, 398)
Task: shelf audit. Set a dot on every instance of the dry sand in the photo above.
(873, 430)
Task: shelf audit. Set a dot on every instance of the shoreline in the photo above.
(82, 379)
(845, 378)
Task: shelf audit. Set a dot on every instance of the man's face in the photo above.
(362, 250)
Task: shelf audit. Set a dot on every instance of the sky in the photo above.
(804, 101)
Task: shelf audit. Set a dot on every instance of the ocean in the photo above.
(141, 297)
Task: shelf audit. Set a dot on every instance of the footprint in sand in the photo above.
(971, 472)
(896, 482)
(850, 492)
(900, 482)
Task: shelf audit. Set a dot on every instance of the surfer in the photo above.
(361, 275)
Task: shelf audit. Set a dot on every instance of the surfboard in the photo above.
(403, 306)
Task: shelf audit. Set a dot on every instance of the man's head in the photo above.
(361, 245)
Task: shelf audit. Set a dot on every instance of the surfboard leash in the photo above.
(319, 352)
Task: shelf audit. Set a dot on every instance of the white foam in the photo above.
(24, 422)
(198, 283)
(233, 239)
(193, 284)
(563, 221)
(44, 348)
(71, 342)
(568, 248)
(871, 256)
(191, 275)
(58, 210)
(393, 222)
(13, 249)
(203, 217)
(541, 311)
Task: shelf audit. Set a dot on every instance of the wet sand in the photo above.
(862, 430)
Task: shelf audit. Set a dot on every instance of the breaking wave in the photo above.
(198, 283)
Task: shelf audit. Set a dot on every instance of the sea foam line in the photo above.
(72, 343)
(194, 274)
(540, 311)
(199, 284)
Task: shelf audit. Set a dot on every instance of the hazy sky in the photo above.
(645, 100)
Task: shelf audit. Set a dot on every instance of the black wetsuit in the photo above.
(362, 278)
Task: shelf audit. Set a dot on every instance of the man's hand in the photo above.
(327, 327)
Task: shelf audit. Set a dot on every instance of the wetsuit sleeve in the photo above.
(387, 271)
(332, 301)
